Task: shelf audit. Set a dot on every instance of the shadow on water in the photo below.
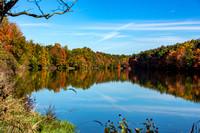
(179, 84)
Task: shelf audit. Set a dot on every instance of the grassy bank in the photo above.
(17, 115)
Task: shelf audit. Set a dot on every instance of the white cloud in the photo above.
(108, 98)
(173, 111)
(168, 24)
(162, 39)
(185, 25)
(79, 34)
(143, 28)
(109, 36)
(124, 26)
(102, 35)
(115, 33)
(181, 28)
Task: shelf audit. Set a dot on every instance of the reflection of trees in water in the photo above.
(179, 84)
(54, 80)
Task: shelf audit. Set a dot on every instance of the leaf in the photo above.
(137, 130)
(153, 124)
(144, 123)
(125, 123)
(156, 131)
(130, 131)
(107, 130)
(112, 127)
(123, 130)
(148, 127)
(120, 127)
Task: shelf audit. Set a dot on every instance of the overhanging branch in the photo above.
(66, 8)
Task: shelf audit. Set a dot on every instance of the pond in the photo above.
(171, 99)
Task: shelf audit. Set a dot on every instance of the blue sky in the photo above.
(114, 26)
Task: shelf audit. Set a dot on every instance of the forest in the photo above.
(180, 56)
(18, 53)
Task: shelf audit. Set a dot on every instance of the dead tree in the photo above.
(7, 5)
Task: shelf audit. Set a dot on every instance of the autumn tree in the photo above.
(42, 57)
(6, 7)
(63, 57)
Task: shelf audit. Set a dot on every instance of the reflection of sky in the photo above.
(105, 101)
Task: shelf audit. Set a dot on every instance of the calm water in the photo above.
(171, 99)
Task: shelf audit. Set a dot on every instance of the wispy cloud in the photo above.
(115, 32)
(109, 36)
(143, 28)
(108, 98)
(36, 24)
(124, 27)
(102, 35)
(79, 34)
(173, 111)
(169, 23)
(162, 39)
(178, 28)
(186, 25)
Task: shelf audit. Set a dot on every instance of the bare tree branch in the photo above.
(5, 9)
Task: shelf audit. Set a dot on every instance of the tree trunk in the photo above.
(5, 7)
(1, 12)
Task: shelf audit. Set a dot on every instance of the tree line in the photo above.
(16, 52)
(179, 56)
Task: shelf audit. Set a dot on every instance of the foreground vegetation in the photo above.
(16, 117)
(17, 114)
(124, 127)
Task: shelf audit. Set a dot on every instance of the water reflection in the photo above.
(180, 84)
(184, 85)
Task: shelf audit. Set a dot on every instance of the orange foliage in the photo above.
(62, 79)
(63, 56)
(176, 58)
(57, 45)
(118, 66)
(196, 60)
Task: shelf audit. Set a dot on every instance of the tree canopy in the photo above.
(16, 52)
